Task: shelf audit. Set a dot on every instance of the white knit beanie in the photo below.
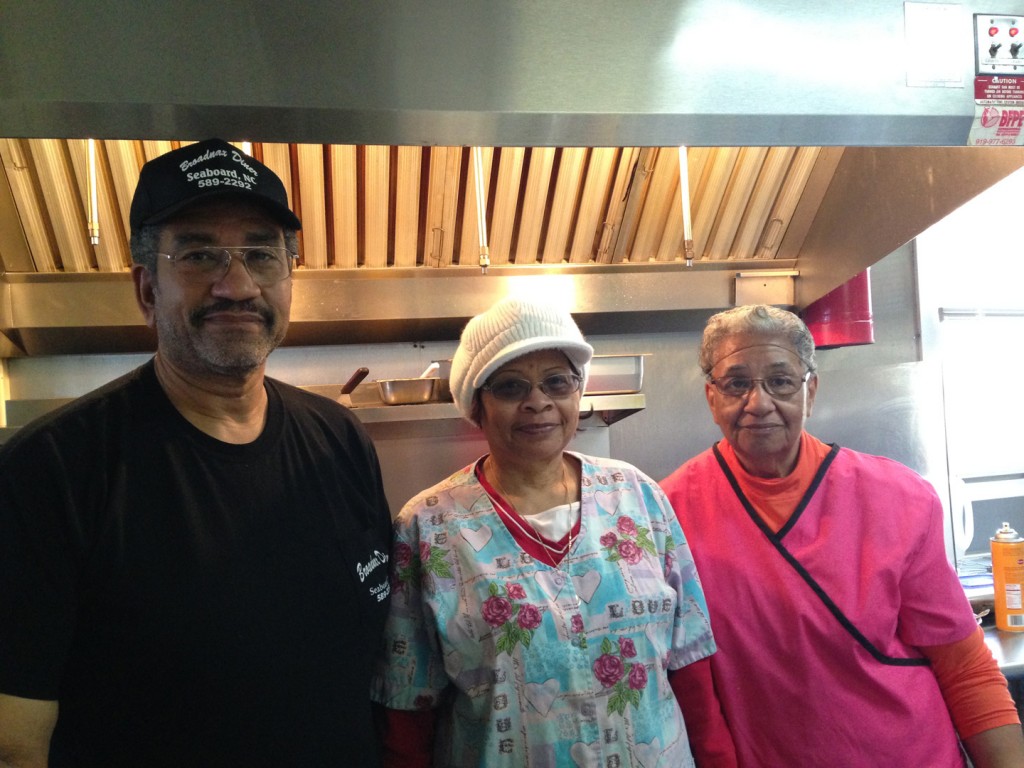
(512, 328)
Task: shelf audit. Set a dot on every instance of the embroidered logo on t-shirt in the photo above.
(378, 560)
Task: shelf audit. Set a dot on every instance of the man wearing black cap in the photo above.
(193, 558)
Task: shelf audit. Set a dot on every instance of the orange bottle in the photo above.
(1008, 577)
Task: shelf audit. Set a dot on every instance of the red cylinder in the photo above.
(842, 317)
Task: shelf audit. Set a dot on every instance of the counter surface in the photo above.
(1008, 649)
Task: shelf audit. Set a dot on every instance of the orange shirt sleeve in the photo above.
(974, 689)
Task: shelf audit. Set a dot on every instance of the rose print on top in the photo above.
(515, 622)
(614, 670)
(628, 542)
(410, 569)
(576, 622)
(670, 559)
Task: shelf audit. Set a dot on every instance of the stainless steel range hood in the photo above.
(473, 72)
(433, 75)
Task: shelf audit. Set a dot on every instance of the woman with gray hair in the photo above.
(757, 320)
(543, 599)
(844, 637)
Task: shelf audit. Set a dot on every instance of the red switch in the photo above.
(993, 31)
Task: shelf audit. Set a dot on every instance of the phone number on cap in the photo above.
(215, 182)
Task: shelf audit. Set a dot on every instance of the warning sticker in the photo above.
(998, 89)
(998, 112)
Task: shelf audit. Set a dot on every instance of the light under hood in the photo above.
(389, 245)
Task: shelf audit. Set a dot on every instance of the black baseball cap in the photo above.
(201, 171)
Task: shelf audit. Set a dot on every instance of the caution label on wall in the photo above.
(998, 111)
(993, 89)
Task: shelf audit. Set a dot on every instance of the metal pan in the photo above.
(408, 391)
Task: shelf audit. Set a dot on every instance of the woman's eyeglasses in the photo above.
(777, 385)
(556, 386)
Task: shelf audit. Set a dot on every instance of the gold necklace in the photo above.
(556, 553)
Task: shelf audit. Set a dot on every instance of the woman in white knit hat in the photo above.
(543, 599)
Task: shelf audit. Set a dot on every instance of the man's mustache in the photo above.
(226, 305)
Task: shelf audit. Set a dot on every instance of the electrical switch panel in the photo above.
(998, 44)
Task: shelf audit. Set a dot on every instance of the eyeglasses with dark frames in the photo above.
(555, 386)
(266, 264)
(776, 385)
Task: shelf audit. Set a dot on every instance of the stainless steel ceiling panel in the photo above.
(475, 72)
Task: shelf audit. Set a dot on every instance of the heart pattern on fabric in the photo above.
(587, 584)
(648, 755)
(585, 755)
(551, 582)
(542, 695)
(477, 538)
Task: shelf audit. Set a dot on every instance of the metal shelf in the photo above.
(609, 408)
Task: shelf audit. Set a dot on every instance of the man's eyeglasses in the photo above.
(265, 264)
(776, 385)
(556, 386)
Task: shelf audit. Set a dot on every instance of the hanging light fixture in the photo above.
(481, 208)
(94, 216)
(684, 196)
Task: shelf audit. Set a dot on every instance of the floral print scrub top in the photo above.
(540, 666)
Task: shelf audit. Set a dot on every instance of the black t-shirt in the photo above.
(188, 601)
